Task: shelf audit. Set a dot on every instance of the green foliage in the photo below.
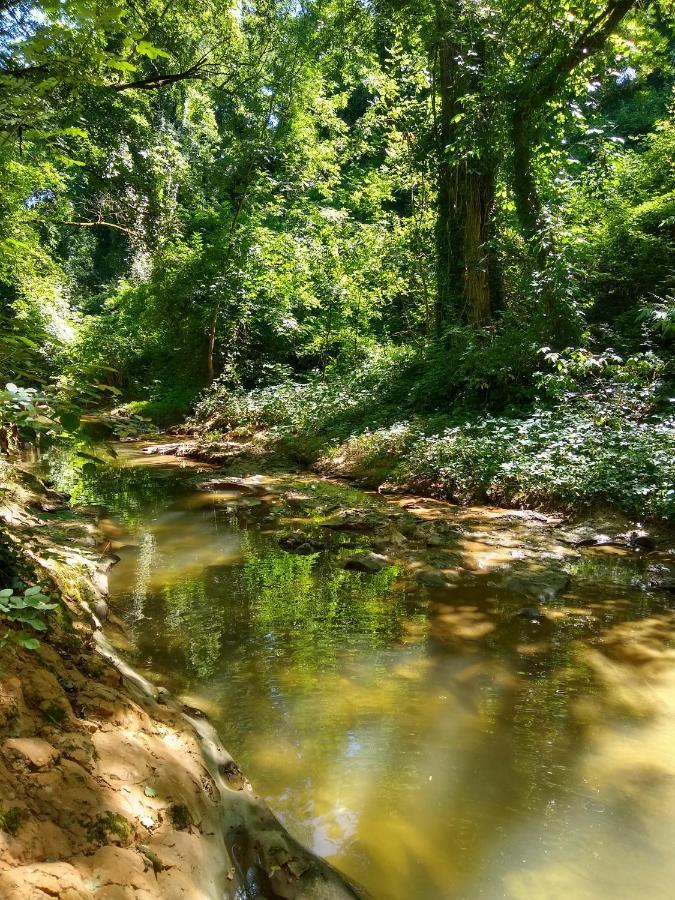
(600, 432)
(295, 199)
(11, 819)
(626, 253)
(579, 454)
(109, 826)
(171, 406)
(25, 609)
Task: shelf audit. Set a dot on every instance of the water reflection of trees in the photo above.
(405, 738)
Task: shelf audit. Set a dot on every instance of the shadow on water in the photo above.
(431, 743)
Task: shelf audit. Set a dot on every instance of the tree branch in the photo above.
(98, 224)
(153, 82)
(534, 92)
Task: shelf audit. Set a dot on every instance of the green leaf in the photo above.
(70, 421)
(85, 455)
(145, 48)
(150, 791)
(7, 592)
(27, 642)
(29, 592)
(121, 65)
(35, 600)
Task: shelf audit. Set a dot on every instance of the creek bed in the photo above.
(433, 741)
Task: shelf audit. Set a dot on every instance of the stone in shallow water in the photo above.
(360, 520)
(300, 543)
(366, 562)
(541, 585)
(243, 485)
(660, 577)
(432, 578)
(530, 614)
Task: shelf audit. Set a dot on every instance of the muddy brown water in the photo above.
(434, 743)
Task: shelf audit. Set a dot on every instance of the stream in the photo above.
(489, 713)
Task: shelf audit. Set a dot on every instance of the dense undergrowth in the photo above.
(599, 430)
(361, 240)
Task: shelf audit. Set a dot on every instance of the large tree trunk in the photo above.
(465, 210)
(465, 281)
(479, 199)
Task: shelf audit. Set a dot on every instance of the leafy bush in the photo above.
(584, 451)
(30, 414)
(600, 432)
(167, 409)
(24, 609)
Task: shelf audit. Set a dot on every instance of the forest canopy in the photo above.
(439, 234)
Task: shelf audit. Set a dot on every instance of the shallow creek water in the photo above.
(434, 742)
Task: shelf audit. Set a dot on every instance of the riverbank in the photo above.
(108, 787)
(597, 433)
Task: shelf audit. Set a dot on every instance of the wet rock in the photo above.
(193, 711)
(597, 540)
(182, 448)
(432, 578)
(108, 560)
(530, 614)
(359, 520)
(366, 562)
(660, 577)
(243, 485)
(392, 539)
(606, 534)
(49, 506)
(541, 585)
(300, 543)
(641, 540)
(163, 696)
(297, 500)
(61, 496)
(233, 774)
(100, 609)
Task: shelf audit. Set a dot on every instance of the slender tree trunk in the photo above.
(212, 345)
(450, 269)
(450, 235)
(528, 205)
(213, 323)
